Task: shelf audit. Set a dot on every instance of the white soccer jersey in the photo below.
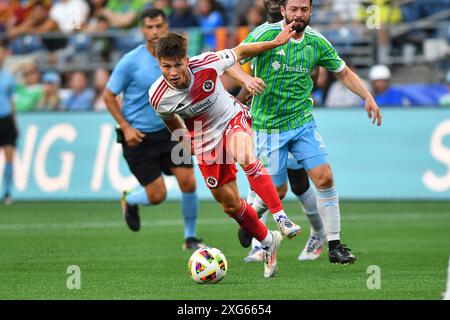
(205, 106)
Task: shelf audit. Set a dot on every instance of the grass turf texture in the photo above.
(409, 241)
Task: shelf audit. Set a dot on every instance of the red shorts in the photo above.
(217, 167)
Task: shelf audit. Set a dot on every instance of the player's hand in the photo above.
(255, 85)
(373, 111)
(284, 36)
(133, 136)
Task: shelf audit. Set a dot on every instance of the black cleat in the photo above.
(244, 238)
(193, 243)
(341, 255)
(131, 213)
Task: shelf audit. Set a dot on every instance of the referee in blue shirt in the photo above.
(8, 126)
(146, 142)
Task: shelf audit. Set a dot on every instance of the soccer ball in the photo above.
(207, 265)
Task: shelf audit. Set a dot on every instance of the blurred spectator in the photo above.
(445, 99)
(321, 89)
(96, 22)
(101, 77)
(384, 94)
(340, 97)
(51, 99)
(123, 13)
(242, 9)
(80, 97)
(210, 18)
(345, 11)
(33, 15)
(163, 5)
(182, 15)
(30, 91)
(256, 16)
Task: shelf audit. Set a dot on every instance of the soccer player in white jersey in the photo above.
(200, 113)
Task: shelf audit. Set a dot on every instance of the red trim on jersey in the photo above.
(159, 94)
(204, 62)
(153, 97)
(202, 59)
(198, 92)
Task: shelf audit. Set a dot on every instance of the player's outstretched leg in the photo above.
(261, 182)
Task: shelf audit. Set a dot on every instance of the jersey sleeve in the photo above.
(157, 100)
(220, 60)
(120, 76)
(329, 58)
(259, 34)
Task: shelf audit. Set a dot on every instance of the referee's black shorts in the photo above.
(152, 157)
(8, 131)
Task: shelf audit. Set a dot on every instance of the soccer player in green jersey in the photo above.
(282, 114)
(297, 175)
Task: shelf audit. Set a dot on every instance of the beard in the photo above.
(298, 28)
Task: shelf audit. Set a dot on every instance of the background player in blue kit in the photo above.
(8, 125)
(146, 142)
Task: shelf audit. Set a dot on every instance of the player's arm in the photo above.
(178, 129)
(354, 83)
(253, 85)
(132, 136)
(247, 50)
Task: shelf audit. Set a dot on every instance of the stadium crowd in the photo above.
(61, 52)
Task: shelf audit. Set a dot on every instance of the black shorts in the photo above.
(152, 157)
(8, 131)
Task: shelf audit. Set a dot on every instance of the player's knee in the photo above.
(156, 197)
(187, 184)
(298, 179)
(325, 181)
(231, 208)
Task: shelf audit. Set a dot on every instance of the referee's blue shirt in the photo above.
(134, 75)
(7, 88)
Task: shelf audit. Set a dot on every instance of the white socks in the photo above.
(328, 208)
(309, 206)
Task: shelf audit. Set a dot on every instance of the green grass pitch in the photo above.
(408, 241)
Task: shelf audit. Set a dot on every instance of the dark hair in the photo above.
(172, 45)
(283, 2)
(153, 13)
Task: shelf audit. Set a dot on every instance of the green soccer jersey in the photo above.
(286, 103)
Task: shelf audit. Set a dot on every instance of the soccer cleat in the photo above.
(288, 228)
(131, 213)
(244, 238)
(7, 199)
(312, 250)
(341, 255)
(255, 255)
(270, 255)
(192, 243)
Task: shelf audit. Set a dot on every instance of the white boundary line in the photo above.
(447, 292)
(222, 221)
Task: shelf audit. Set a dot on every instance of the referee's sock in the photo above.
(8, 177)
(189, 207)
(138, 197)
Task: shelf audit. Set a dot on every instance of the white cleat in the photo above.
(255, 255)
(289, 229)
(270, 255)
(312, 250)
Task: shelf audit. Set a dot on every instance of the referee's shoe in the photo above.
(131, 213)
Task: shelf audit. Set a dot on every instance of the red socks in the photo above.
(261, 182)
(248, 220)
